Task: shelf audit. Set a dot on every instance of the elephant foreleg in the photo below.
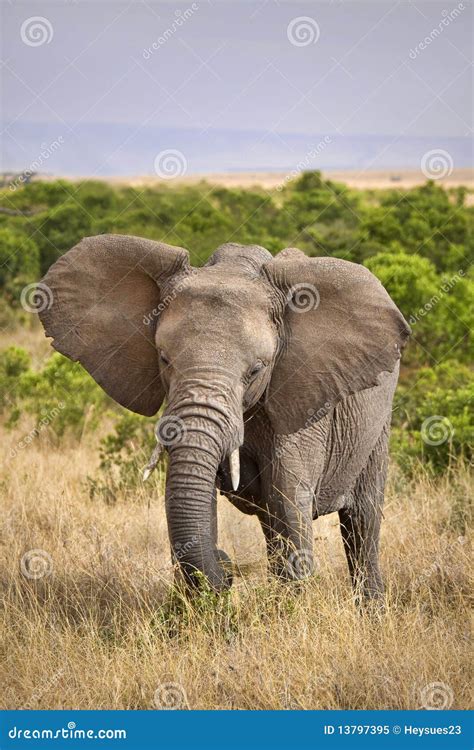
(287, 525)
(360, 524)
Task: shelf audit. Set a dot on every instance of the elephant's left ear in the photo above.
(341, 330)
(104, 298)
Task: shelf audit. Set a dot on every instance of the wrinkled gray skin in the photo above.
(221, 339)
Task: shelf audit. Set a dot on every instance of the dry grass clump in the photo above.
(100, 627)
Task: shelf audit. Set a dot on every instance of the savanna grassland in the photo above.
(89, 616)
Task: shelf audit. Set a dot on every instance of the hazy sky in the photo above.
(252, 75)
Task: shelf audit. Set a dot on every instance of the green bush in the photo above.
(61, 392)
(19, 263)
(438, 307)
(433, 420)
(123, 455)
(420, 244)
(14, 364)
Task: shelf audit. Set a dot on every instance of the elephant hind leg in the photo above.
(360, 524)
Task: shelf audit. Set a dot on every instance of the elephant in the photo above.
(277, 373)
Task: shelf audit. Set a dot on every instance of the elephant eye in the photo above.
(164, 358)
(258, 366)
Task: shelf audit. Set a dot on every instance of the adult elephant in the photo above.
(288, 362)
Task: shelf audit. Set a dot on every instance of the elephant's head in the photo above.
(292, 335)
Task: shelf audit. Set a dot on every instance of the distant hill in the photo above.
(121, 149)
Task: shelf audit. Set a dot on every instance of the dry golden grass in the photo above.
(100, 630)
(103, 629)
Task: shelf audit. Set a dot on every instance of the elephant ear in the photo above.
(103, 302)
(341, 330)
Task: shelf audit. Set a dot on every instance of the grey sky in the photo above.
(230, 73)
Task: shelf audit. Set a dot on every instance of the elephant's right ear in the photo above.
(341, 331)
(103, 301)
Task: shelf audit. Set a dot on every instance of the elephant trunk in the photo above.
(204, 437)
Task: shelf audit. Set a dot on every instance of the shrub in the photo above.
(123, 455)
(19, 263)
(433, 421)
(62, 388)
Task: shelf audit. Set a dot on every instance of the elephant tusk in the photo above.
(234, 464)
(152, 463)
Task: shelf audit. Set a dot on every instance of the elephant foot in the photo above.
(295, 566)
(226, 563)
(195, 581)
(370, 602)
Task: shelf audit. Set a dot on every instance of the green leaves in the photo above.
(419, 243)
